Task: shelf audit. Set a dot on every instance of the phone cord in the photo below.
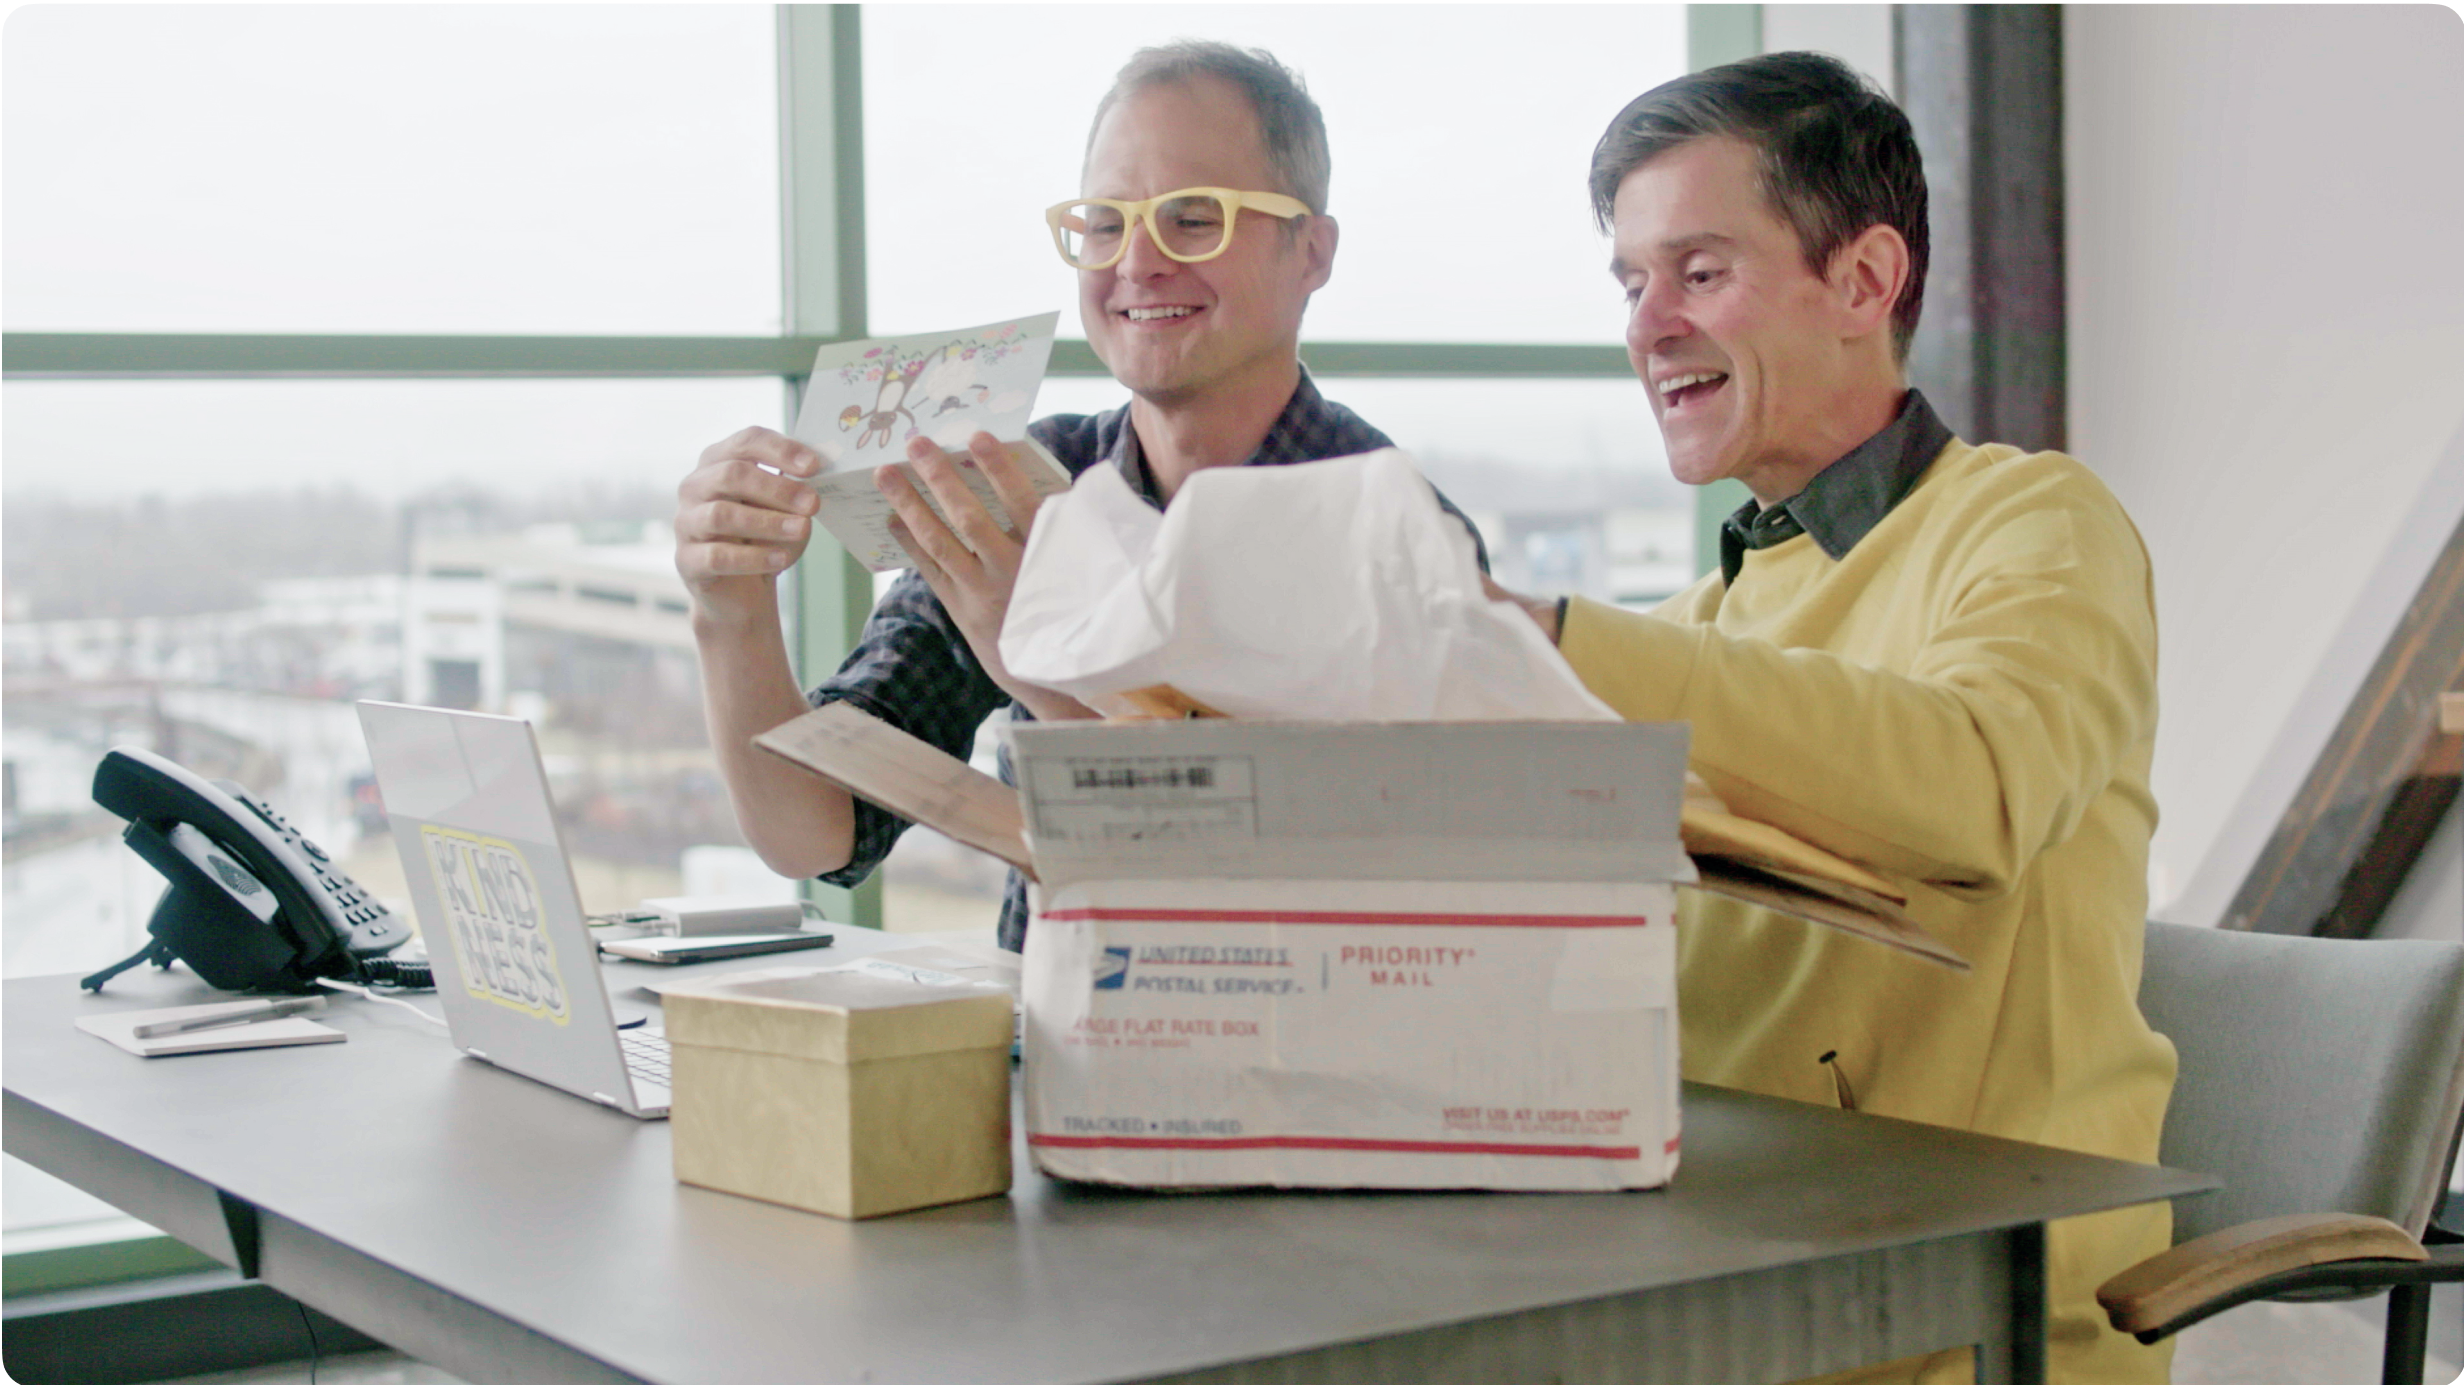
(365, 994)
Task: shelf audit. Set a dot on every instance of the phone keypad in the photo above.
(369, 921)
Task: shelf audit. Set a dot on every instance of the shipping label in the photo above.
(1096, 799)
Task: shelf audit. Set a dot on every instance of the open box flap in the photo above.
(885, 766)
(1492, 800)
(1826, 902)
(1215, 799)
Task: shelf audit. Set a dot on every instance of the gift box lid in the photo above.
(835, 1015)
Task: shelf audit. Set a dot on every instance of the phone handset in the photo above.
(251, 904)
(231, 875)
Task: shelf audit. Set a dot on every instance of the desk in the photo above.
(509, 1233)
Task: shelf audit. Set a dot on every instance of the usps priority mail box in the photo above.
(1322, 955)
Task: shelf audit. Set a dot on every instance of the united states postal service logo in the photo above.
(1112, 969)
(495, 918)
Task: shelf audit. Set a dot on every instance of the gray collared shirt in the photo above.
(1846, 499)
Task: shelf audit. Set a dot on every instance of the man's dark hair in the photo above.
(1289, 122)
(1837, 155)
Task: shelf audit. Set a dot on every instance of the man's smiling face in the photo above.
(1170, 331)
(1739, 343)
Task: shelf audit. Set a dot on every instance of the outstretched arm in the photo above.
(2028, 682)
(742, 518)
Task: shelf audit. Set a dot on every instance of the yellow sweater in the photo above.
(1965, 703)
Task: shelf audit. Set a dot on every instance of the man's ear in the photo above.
(1866, 277)
(1317, 245)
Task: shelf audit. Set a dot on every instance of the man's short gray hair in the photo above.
(1293, 128)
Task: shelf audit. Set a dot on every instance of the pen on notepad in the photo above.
(272, 1009)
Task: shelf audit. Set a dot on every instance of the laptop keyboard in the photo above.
(646, 1055)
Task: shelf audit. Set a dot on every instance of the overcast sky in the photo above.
(610, 169)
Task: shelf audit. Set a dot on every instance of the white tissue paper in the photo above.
(1330, 591)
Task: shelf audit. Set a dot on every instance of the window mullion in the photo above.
(821, 199)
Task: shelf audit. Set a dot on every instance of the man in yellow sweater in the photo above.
(1932, 657)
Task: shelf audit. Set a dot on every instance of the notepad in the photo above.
(115, 1029)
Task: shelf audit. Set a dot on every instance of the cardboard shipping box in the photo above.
(1329, 955)
(1320, 955)
(1338, 955)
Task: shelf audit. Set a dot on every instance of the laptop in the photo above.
(516, 969)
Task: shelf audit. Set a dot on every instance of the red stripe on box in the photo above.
(1672, 1146)
(1295, 916)
(1329, 1142)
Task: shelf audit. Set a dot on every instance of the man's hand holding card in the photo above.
(969, 550)
(868, 404)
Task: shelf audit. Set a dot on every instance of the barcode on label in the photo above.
(1112, 798)
(1142, 777)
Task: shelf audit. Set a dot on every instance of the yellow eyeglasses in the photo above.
(1190, 225)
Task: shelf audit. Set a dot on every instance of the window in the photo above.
(234, 561)
(345, 168)
(215, 561)
(1460, 135)
(544, 245)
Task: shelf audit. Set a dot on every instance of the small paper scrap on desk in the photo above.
(116, 1029)
(865, 400)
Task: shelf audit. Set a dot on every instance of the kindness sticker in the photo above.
(494, 917)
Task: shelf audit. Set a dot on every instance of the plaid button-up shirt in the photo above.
(913, 669)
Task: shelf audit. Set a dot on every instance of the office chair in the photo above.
(2323, 1080)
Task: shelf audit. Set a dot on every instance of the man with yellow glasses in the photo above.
(1199, 236)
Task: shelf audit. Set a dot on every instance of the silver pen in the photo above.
(271, 1009)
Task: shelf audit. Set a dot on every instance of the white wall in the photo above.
(1858, 35)
(2266, 293)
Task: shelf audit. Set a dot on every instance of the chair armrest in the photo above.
(2162, 1289)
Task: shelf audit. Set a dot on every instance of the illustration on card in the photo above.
(866, 400)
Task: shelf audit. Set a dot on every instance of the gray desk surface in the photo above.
(507, 1231)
